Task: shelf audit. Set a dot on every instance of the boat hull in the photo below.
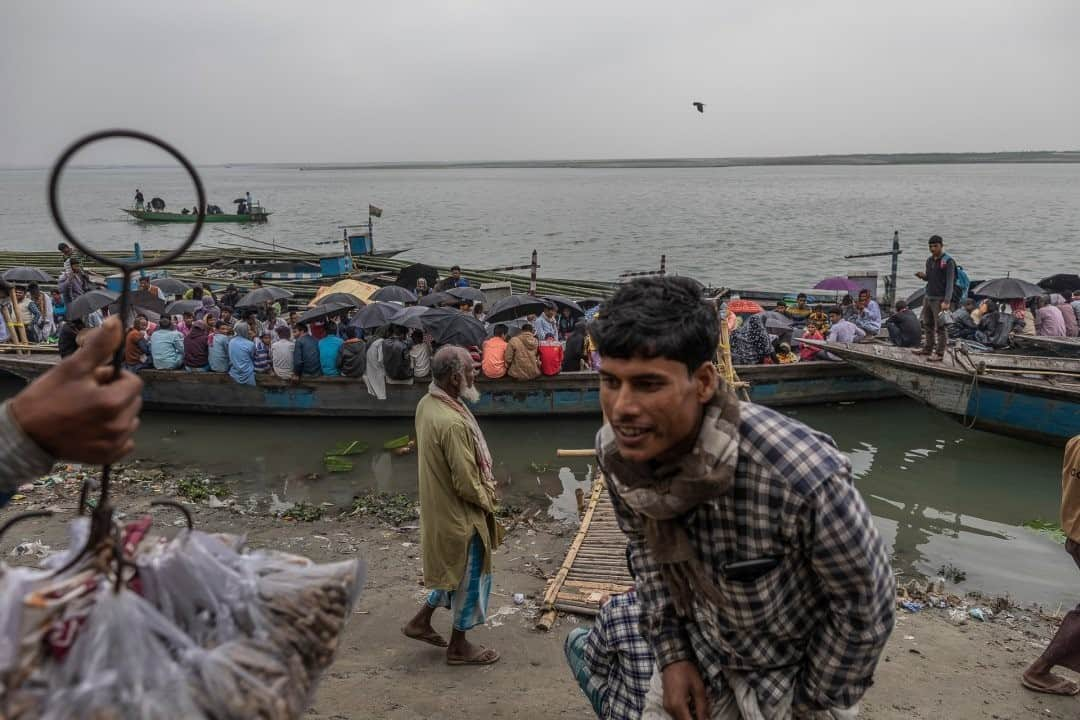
(568, 394)
(1012, 405)
(1050, 346)
(166, 217)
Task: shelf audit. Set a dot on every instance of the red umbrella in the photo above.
(740, 307)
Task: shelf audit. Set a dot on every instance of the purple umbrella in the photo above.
(840, 284)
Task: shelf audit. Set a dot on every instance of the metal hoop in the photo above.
(58, 216)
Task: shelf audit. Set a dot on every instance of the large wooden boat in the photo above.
(1037, 398)
(567, 394)
(1051, 346)
(258, 215)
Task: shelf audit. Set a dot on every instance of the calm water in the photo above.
(940, 493)
(765, 227)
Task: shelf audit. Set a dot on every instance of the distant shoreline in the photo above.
(1041, 156)
(858, 159)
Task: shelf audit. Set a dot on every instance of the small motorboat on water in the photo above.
(1037, 398)
(247, 211)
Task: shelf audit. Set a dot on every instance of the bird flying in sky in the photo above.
(700, 106)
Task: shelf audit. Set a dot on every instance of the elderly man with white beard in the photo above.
(457, 509)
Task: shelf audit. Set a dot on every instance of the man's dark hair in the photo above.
(63, 246)
(140, 316)
(418, 336)
(901, 305)
(526, 328)
(935, 240)
(165, 323)
(301, 326)
(223, 326)
(283, 332)
(455, 268)
(658, 317)
(330, 327)
(500, 330)
(800, 296)
(835, 310)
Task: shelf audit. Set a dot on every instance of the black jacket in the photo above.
(940, 278)
(907, 326)
(352, 358)
(66, 342)
(573, 352)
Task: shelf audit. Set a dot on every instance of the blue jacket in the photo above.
(306, 357)
(167, 349)
(328, 352)
(219, 353)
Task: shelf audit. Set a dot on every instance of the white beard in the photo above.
(470, 395)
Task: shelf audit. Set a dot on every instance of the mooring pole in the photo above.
(532, 275)
(890, 294)
(663, 265)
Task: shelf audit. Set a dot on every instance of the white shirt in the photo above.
(281, 358)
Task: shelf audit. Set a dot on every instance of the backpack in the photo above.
(961, 285)
(396, 359)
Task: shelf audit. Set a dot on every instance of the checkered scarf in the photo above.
(663, 494)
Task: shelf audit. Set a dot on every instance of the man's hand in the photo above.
(76, 411)
(921, 275)
(682, 687)
(945, 306)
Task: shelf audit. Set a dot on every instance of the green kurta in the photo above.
(453, 502)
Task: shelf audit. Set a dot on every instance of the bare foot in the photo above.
(465, 653)
(424, 633)
(1049, 683)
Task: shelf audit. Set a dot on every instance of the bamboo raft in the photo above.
(595, 564)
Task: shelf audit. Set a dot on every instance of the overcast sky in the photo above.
(285, 81)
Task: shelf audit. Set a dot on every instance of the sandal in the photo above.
(1061, 686)
(431, 638)
(487, 656)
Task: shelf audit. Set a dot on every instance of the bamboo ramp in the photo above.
(595, 564)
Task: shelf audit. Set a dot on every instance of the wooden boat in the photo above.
(567, 394)
(1052, 346)
(1037, 398)
(258, 215)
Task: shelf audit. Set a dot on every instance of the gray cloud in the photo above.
(511, 79)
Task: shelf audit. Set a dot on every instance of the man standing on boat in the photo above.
(940, 277)
(1064, 649)
(458, 531)
(765, 589)
(138, 199)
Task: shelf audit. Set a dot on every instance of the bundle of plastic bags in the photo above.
(195, 628)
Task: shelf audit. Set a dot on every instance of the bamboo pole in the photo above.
(586, 452)
(17, 325)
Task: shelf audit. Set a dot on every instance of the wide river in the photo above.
(941, 494)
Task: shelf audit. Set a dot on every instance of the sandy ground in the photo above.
(931, 668)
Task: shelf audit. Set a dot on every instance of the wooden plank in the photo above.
(547, 619)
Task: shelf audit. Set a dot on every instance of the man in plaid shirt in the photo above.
(611, 661)
(765, 590)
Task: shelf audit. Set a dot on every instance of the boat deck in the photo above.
(595, 564)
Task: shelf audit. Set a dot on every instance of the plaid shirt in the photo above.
(619, 659)
(814, 625)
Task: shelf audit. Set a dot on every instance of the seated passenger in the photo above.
(867, 314)
(167, 346)
(808, 352)
(328, 350)
(784, 355)
(420, 355)
(551, 355)
(281, 353)
(800, 311)
(262, 353)
(493, 364)
(219, 349)
(242, 356)
(904, 327)
(352, 355)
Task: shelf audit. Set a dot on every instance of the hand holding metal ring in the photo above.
(58, 216)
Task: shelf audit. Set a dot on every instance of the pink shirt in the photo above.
(1049, 322)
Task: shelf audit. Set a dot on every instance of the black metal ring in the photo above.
(58, 217)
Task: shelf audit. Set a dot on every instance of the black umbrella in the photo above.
(341, 299)
(776, 321)
(23, 274)
(916, 298)
(375, 315)
(321, 311)
(439, 298)
(410, 317)
(1063, 283)
(408, 275)
(90, 301)
(394, 293)
(452, 327)
(466, 293)
(1008, 288)
(147, 300)
(565, 302)
(516, 306)
(179, 307)
(170, 286)
(258, 296)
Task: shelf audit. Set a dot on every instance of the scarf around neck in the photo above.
(480, 446)
(663, 493)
